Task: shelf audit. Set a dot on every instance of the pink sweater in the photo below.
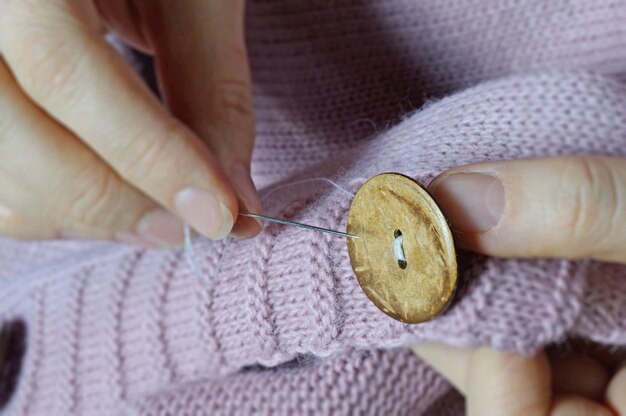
(343, 89)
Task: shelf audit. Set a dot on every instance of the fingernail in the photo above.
(246, 190)
(472, 202)
(161, 227)
(204, 212)
(245, 187)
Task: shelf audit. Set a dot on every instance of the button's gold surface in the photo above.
(419, 288)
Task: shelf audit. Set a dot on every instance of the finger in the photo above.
(578, 406)
(450, 362)
(504, 383)
(494, 383)
(572, 207)
(567, 380)
(609, 356)
(59, 59)
(616, 391)
(52, 183)
(209, 87)
(15, 225)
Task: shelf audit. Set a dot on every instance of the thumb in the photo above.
(573, 207)
(204, 75)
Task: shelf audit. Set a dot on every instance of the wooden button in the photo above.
(404, 258)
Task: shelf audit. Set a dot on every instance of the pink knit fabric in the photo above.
(343, 90)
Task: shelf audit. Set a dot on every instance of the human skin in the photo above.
(86, 149)
(564, 207)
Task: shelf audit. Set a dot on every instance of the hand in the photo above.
(572, 207)
(87, 151)
(499, 383)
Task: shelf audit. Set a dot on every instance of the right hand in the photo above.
(87, 151)
(559, 207)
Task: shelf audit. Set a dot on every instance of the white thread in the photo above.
(190, 257)
(398, 250)
(190, 253)
(301, 181)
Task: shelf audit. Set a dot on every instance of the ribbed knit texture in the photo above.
(344, 90)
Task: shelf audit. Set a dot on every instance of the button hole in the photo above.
(398, 249)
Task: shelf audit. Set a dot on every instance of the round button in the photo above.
(404, 258)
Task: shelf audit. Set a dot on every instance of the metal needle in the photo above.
(297, 224)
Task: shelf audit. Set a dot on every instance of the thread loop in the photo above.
(398, 250)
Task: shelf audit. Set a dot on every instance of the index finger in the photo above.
(60, 60)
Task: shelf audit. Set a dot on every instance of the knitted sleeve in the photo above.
(111, 322)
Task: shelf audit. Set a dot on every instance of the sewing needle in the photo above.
(297, 224)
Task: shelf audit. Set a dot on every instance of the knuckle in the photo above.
(50, 66)
(590, 189)
(148, 153)
(94, 200)
(233, 103)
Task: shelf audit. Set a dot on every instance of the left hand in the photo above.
(568, 207)
(88, 151)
